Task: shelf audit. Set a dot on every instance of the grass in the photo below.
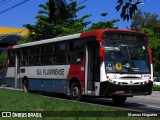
(156, 87)
(25, 102)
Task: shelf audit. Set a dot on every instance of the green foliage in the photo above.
(150, 24)
(26, 39)
(155, 46)
(57, 9)
(156, 87)
(57, 109)
(62, 25)
(104, 14)
(146, 20)
(35, 102)
(2, 62)
(148, 31)
(67, 24)
(128, 8)
(103, 24)
(154, 40)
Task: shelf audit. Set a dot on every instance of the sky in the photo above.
(26, 12)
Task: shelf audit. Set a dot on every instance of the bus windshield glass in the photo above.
(126, 53)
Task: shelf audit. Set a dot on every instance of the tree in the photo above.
(137, 21)
(104, 14)
(155, 46)
(73, 24)
(128, 8)
(149, 24)
(147, 20)
(103, 24)
(2, 62)
(44, 28)
(55, 5)
(61, 26)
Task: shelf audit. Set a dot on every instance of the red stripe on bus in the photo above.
(9, 47)
(97, 34)
(150, 54)
(76, 71)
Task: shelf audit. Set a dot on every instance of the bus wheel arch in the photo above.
(25, 84)
(75, 89)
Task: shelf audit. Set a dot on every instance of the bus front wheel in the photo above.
(25, 86)
(119, 100)
(75, 91)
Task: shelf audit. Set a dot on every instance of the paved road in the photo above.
(150, 103)
(152, 99)
(145, 103)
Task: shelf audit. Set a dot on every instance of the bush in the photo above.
(156, 87)
(2, 62)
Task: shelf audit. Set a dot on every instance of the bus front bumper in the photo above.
(109, 89)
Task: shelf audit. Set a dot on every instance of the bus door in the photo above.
(92, 66)
(17, 69)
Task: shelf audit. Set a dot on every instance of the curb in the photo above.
(155, 94)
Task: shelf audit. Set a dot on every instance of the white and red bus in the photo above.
(102, 63)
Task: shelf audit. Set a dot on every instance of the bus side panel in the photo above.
(47, 78)
(77, 71)
(45, 72)
(57, 86)
(10, 82)
(152, 72)
(10, 77)
(103, 76)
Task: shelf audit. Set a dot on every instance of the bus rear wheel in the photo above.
(75, 91)
(25, 86)
(119, 100)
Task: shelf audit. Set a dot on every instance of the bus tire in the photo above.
(119, 100)
(25, 86)
(75, 91)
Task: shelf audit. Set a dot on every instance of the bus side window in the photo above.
(46, 54)
(54, 53)
(24, 57)
(60, 55)
(11, 59)
(76, 51)
(34, 55)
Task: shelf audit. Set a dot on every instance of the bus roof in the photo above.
(96, 33)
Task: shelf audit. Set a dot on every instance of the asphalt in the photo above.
(154, 96)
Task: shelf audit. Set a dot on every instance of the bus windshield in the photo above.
(125, 53)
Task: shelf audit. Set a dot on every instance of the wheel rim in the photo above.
(25, 86)
(75, 92)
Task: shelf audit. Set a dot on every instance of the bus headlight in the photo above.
(148, 81)
(110, 81)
